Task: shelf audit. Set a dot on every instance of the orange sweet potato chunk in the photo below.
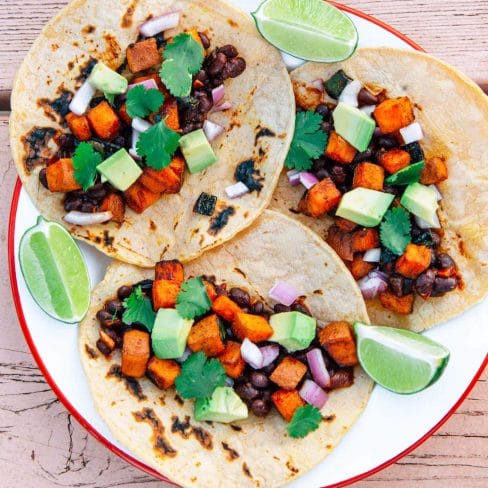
(171, 270)
(114, 203)
(365, 239)
(394, 160)
(135, 353)
(253, 327)
(205, 336)
(339, 149)
(400, 305)
(139, 198)
(288, 373)
(286, 402)
(321, 198)
(61, 176)
(414, 261)
(79, 126)
(369, 175)
(359, 268)
(338, 340)
(226, 308)
(162, 372)
(104, 121)
(434, 172)
(393, 114)
(164, 293)
(167, 180)
(143, 55)
(231, 359)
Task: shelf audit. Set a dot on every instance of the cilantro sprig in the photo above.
(142, 102)
(85, 161)
(157, 145)
(182, 58)
(138, 309)
(395, 230)
(309, 141)
(199, 377)
(305, 420)
(193, 300)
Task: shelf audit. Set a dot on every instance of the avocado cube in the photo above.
(421, 201)
(364, 206)
(120, 170)
(223, 406)
(293, 330)
(107, 80)
(197, 151)
(353, 125)
(170, 333)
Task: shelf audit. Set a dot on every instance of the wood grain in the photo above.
(41, 445)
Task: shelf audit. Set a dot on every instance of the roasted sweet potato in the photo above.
(369, 175)
(393, 114)
(434, 172)
(143, 55)
(286, 402)
(164, 293)
(394, 160)
(224, 307)
(288, 373)
(365, 239)
(104, 121)
(171, 270)
(114, 203)
(253, 327)
(339, 149)
(135, 353)
(170, 114)
(124, 115)
(414, 261)
(205, 336)
(231, 359)
(338, 340)
(321, 198)
(341, 242)
(401, 305)
(61, 176)
(359, 268)
(162, 372)
(79, 126)
(167, 180)
(139, 198)
(211, 291)
(345, 225)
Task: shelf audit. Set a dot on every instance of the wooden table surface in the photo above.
(41, 445)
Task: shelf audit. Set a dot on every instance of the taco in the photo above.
(151, 130)
(392, 146)
(266, 358)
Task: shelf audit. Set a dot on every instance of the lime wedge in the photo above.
(308, 29)
(54, 271)
(399, 360)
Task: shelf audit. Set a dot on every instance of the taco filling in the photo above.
(226, 349)
(361, 162)
(134, 132)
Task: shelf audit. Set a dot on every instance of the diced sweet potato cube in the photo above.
(164, 293)
(393, 114)
(365, 239)
(114, 203)
(104, 121)
(369, 175)
(401, 305)
(339, 149)
(124, 115)
(231, 359)
(79, 126)
(321, 198)
(338, 340)
(435, 171)
(171, 115)
(210, 289)
(360, 268)
(253, 327)
(394, 160)
(226, 308)
(167, 180)
(139, 198)
(205, 336)
(171, 270)
(345, 225)
(286, 402)
(61, 176)
(143, 55)
(135, 353)
(288, 373)
(414, 261)
(162, 372)
(341, 242)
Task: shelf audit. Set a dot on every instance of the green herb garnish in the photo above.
(138, 309)
(395, 230)
(110, 97)
(305, 420)
(193, 300)
(85, 161)
(142, 102)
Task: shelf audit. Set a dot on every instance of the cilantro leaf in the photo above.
(395, 230)
(85, 161)
(157, 145)
(199, 377)
(309, 141)
(110, 98)
(193, 300)
(142, 102)
(138, 308)
(305, 420)
(182, 58)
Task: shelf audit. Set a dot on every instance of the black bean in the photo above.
(444, 285)
(299, 307)
(67, 142)
(205, 101)
(104, 316)
(205, 40)
(280, 308)
(113, 335)
(407, 286)
(396, 285)
(394, 190)
(124, 292)
(247, 392)
(202, 76)
(326, 127)
(342, 378)
(234, 67)
(114, 307)
(425, 283)
(386, 142)
(258, 308)
(436, 239)
(87, 207)
(217, 64)
(321, 174)
(229, 50)
(338, 174)
(43, 178)
(217, 81)
(364, 156)
(240, 296)
(366, 98)
(444, 261)
(260, 408)
(146, 285)
(72, 204)
(318, 164)
(323, 110)
(259, 380)
(105, 350)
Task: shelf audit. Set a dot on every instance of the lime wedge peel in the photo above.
(399, 360)
(312, 30)
(55, 271)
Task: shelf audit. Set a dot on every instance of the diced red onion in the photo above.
(308, 179)
(251, 354)
(160, 24)
(437, 192)
(318, 369)
(283, 293)
(212, 130)
(425, 225)
(185, 355)
(218, 94)
(412, 133)
(293, 177)
(372, 284)
(313, 394)
(350, 93)
(270, 353)
(372, 255)
(147, 84)
(380, 274)
(237, 190)
(368, 110)
(318, 85)
(222, 107)
(82, 218)
(140, 125)
(135, 139)
(82, 98)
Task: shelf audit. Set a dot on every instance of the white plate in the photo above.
(391, 425)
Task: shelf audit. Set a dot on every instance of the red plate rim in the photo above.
(103, 440)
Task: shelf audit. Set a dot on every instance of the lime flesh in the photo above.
(399, 360)
(308, 29)
(54, 271)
